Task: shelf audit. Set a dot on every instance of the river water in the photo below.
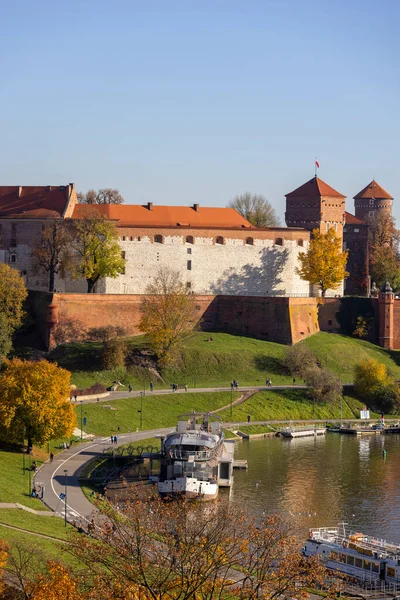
(317, 482)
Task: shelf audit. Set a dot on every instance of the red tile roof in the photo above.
(165, 216)
(352, 219)
(373, 190)
(15, 200)
(314, 187)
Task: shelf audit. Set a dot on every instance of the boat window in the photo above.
(367, 565)
(350, 559)
(375, 567)
(359, 563)
(342, 558)
(390, 572)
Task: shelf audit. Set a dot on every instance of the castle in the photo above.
(216, 250)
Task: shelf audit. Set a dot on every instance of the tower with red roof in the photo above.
(372, 200)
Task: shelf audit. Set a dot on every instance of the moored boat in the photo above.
(302, 431)
(196, 459)
(363, 557)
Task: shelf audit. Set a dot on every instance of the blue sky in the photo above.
(181, 102)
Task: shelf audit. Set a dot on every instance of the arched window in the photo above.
(158, 239)
(249, 242)
(219, 240)
(278, 242)
(189, 239)
(300, 243)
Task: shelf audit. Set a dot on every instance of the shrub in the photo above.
(299, 359)
(114, 354)
(368, 375)
(325, 386)
(386, 398)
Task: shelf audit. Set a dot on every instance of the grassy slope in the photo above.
(17, 488)
(227, 357)
(158, 411)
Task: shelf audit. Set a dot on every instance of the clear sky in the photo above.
(195, 101)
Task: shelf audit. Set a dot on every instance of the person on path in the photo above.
(115, 439)
(51, 457)
(185, 387)
(248, 418)
(232, 385)
(112, 439)
(129, 388)
(151, 386)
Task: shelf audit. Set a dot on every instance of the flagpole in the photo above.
(315, 166)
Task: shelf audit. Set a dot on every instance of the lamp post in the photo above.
(231, 399)
(81, 401)
(65, 499)
(141, 410)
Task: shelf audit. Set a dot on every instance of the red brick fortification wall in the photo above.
(327, 315)
(70, 317)
(396, 325)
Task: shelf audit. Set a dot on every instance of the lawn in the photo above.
(227, 357)
(17, 488)
(104, 418)
(52, 526)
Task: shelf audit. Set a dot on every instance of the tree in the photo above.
(34, 402)
(256, 209)
(114, 354)
(324, 385)
(368, 375)
(97, 250)
(12, 295)
(53, 254)
(324, 264)
(298, 359)
(383, 247)
(182, 551)
(168, 313)
(5, 338)
(103, 196)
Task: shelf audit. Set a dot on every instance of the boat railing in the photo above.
(343, 538)
(196, 455)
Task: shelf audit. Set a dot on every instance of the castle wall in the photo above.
(396, 325)
(70, 317)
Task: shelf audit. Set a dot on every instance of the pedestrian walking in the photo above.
(185, 387)
(151, 386)
(51, 457)
(294, 380)
(232, 385)
(112, 439)
(129, 388)
(248, 418)
(115, 439)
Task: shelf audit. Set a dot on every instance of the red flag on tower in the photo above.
(317, 164)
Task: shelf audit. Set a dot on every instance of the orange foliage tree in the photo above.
(34, 402)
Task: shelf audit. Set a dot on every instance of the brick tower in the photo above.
(386, 303)
(371, 201)
(316, 205)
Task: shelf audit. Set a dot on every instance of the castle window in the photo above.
(158, 239)
(249, 242)
(13, 258)
(300, 243)
(131, 239)
(189, 239)
(189, 286)
(189, 265)
(356, 231)
(278, 242)
(219, 240)
(123, 238)
(189, 251)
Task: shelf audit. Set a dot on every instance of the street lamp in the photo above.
(81, 401)
(141, 410)
(231, 399)
(65, 499)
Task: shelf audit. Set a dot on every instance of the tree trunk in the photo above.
(90, 286)
(51, 279)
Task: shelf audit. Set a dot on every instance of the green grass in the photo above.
(288, 405)
(17, 488)
(52, 526)
(158, 411)
(226, 358)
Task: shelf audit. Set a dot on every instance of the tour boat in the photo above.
(195, 458)
(303, 431)
(363, 557)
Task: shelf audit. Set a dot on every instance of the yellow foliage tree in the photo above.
(168, 313)
(12, 295)
(55, 584)
(369, 374)
(324, 264)
(3, 562)
(34, 402)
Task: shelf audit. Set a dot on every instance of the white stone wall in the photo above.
(230, 268)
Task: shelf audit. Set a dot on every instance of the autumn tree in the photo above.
(186, 550)
(53, 254)
(324, 264)
(368, 374)
(298, 359)
(98, 253)
(102, 196)
(383, 247)
(34, 402)
(324, 386)
(12, 295)
(168, 313)
(5, 338)
(256, 209)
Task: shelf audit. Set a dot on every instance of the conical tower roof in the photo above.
(373, 190)
(315, 187)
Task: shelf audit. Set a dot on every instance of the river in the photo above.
(316, 482)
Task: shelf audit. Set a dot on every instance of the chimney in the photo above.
(150, 205)
(19, 191)
(196, 207)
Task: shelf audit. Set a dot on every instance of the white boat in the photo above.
(302, 431)
(196, 459)
(367, 559)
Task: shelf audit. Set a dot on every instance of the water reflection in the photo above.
(316, 482)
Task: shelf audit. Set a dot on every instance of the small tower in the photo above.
(386, 302)
(316, 205)
(371, 201)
